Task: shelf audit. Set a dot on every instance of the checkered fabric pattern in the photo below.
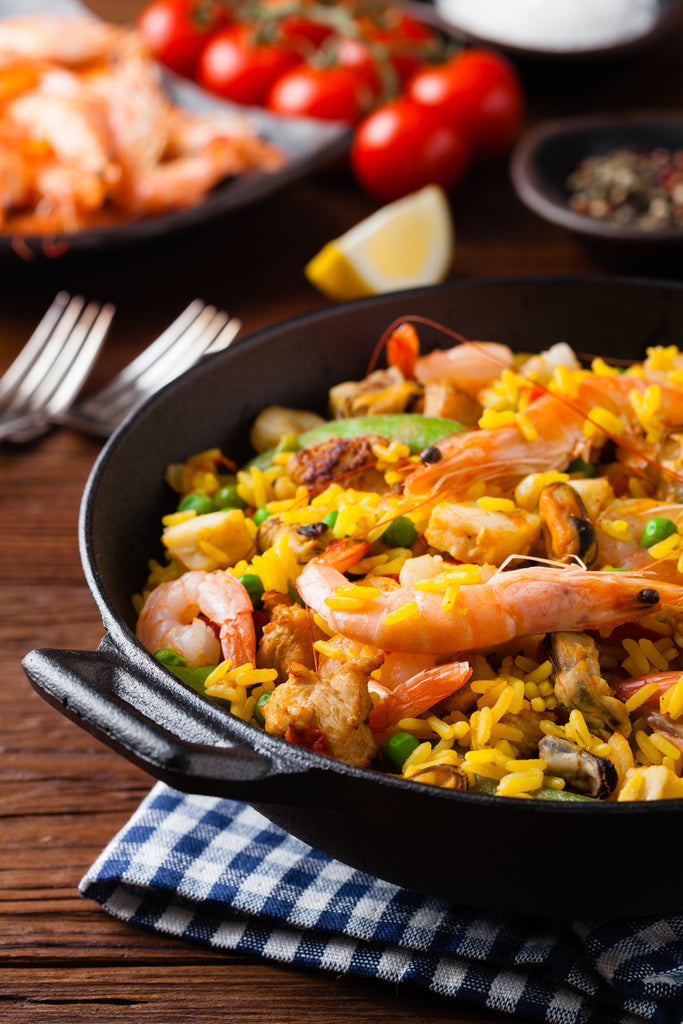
(216, 872)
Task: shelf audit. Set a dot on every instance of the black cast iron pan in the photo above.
(519, 856)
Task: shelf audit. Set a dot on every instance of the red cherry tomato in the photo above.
(235, 65)
(352, 53)
(480, 90)
(402, 147)
(331, 93)
(177, 30)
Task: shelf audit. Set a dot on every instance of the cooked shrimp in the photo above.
(418, 693)
(517, 603)
(170, 618)
(65, 40)
(87, 96)
(138, 110)
(73, 126)
(177, 184)
(504, 455)
(472, 365)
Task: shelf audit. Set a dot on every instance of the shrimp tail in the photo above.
(419, 693)
(343, 554)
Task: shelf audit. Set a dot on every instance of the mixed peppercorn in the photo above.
(631, 186)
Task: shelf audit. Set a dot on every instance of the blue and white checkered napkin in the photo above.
(216, 872)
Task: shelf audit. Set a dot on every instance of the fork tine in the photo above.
(91, 334)
(225, 336)
(184, 354)
(42, 376)
(202, 335)
(49, 385)
(33, 347)
(166, 340)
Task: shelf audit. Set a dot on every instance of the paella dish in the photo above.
(468, 574)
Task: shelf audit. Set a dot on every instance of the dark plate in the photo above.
(546, 155)
(524, 856)
(667, 12)
(308, 144)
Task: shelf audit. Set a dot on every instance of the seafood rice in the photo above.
(469, 575)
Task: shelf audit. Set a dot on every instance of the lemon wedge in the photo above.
(405, 244)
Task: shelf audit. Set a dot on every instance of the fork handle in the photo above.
(164, 727)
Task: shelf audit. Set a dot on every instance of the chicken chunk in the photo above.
(473, 534)
(350, 458)
(328, 715)
(212, 541)
(445, 399)
(657, 783)
(288, 636)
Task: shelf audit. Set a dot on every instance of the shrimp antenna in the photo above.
(552, 563)
(416, 318)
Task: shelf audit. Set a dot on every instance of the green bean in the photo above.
(488, 786)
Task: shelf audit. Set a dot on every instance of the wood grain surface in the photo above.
(62, 794)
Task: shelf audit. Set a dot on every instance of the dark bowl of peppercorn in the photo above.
(612, 179)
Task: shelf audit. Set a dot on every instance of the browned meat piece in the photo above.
(383, 391)
(444, 398)
(350, 459)
(288, 636)
(328, 715)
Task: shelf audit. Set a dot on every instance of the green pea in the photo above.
(397, 749)
(330, 519)
(656, 529)
(227, 497)
(259, 705)
(400, 533)
(260, 515)
(197, 500)
(581, 466)
(168, 657)
(253, 585)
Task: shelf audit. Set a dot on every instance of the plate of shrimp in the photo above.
(467, 573)
(100, 146)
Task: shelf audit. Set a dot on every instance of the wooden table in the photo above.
(63, 795)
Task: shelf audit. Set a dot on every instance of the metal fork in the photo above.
(199, 330)
(51, 368)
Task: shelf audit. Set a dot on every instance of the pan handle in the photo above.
(123, 704)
